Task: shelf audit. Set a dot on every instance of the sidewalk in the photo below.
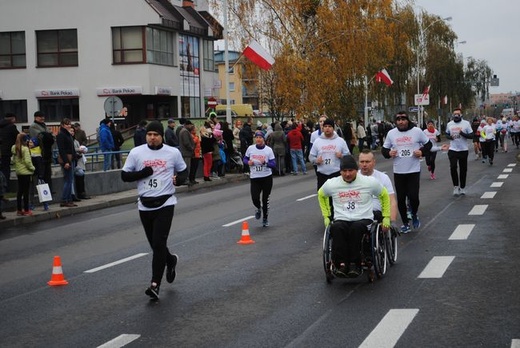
(104, 201)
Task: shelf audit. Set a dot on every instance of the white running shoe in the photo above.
(462, 191)
(456, 191)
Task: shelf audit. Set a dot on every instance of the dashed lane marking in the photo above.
(390, 328)
(497, 184)
(487, 195)
(503, 176)
(511, 165)
(306, 197)
(120, 341)
(436, 267)
(462, 232)
(478, 209)
(515, 343)
(116, 263)
(507, 170)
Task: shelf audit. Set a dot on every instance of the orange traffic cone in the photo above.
(246, 238)
(57, 277)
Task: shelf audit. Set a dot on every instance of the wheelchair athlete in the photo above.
(353, 213)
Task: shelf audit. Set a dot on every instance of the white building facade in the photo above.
(66, 57)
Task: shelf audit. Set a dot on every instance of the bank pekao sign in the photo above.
(57, 93)
(108, 91)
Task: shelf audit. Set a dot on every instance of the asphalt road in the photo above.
(455, 283)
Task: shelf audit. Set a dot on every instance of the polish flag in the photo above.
(384, 76)
(258, 55)
(426, 91)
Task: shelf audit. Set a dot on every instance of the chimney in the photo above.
(188, 3)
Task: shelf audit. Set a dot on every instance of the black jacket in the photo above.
(8, 133)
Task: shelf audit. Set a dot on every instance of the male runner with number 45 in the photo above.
(406, 144)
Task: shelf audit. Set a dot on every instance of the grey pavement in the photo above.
(103, 201)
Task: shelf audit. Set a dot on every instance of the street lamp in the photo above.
(422, 33)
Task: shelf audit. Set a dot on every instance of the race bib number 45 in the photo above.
(153, 184)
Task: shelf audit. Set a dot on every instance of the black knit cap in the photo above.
(328, 122)
(348, 162)
(155, 126)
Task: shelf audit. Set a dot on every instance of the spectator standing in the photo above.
(182, 120)
(106, 142)
(45, 139)
(186, 146)
(24, 170)
(458, 130)
(197, 156)
(406, 144)
(37, 177)
(80, 135)
(156, 163)
(79, 170)
(350, 137)
(260, 158)
(206, 144)
(246, 139)
(375, 134)
(236, 134)
(66, 154)
(140, 133)
(278, 142)
(119, 140)
(227, 137)
(170, 138)
(361, 135)
(8, 133)
(295, 141)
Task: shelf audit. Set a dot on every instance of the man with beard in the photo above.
(406, 144)
(458, 131)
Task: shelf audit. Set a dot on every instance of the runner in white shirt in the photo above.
(515, 131)
(154, 166)
(406, 144)
(260, 159)
(435, 136)
(488, 134)
(458, 131)
(326, 153)
(353, 213)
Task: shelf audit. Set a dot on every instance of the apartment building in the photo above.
(67, 57)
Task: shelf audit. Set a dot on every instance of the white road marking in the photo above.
(436, 267)
(462, 232)
(507, 170)
(515, 343)
(490, 194)
(390, 328)
(478, 209)
(120, 341)
(511, 165)
(115, 263)
(497, 184)
(503, 176)
(306, 197)
(238, 221)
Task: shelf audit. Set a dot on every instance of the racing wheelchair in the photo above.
(378, 249)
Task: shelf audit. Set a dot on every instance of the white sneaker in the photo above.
(462, 191)
(456, 191)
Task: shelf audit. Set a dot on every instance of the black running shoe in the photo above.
(170, 269)
(258, 214)
(265, 223)
(153, 291)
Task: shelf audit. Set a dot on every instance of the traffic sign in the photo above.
(413, 109)
(113, 105)
(212, 102)
(422, 99)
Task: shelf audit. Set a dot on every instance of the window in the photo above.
(209, 58)
(57, 48)
(231, 86)
(12, 50)
(159, 47)
(128, 45)
(17, 107)
(57, 109)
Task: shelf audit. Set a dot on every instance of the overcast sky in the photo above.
(491, 29)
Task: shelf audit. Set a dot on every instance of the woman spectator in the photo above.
(197, 155)
(278, 142)
(350, 137)
(24, 169)
(206, 144)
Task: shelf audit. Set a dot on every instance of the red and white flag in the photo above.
(258, 55)
(384, 76)
(426, 91)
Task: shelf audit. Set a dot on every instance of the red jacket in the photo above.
(295, 139)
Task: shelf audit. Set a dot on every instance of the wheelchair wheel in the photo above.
(327, 255)
(378, 246)
(391, 245)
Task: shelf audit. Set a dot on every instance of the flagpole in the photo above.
(366, 102)
(226, 66)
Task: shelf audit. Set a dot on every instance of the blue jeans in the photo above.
(297, 156)
(68, 182)
(107, 160)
